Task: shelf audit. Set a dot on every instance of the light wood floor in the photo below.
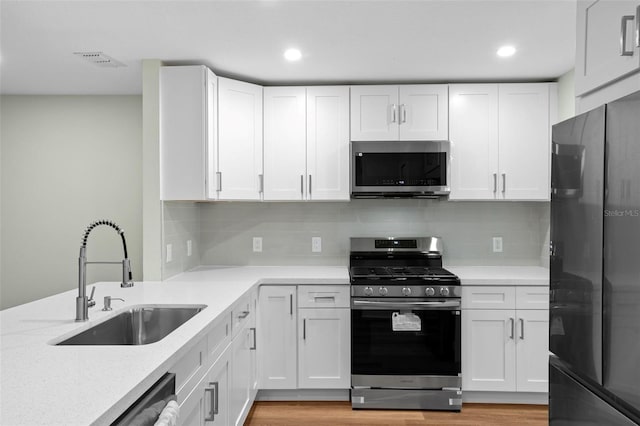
(270, 413)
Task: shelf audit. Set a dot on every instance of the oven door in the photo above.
(399, 343)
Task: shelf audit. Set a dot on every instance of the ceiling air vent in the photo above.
(100, 59)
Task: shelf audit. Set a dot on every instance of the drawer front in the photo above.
(241, 314)
(323, 296)
(189, 369)
(532, 297)
(219, 336)
(488, 297)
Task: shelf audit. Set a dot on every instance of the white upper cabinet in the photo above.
(328, 143)
(500, 141)
(187, 132)
(473, 115)
(239, 169)
(406, 112)
(284, 143)
(607, 42)
(306, 145)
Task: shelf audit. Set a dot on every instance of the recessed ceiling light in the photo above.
(292, 55)
(506, 51)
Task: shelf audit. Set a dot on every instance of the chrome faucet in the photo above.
(82, 301)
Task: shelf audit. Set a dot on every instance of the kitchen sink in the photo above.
(139, 325)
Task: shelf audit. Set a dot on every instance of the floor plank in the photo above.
(268, 413)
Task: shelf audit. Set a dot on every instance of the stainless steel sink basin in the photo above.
(139, 325)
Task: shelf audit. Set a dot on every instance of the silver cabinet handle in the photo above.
(302, 184)
(521, 329)
(261, 183)
(324, 298)
(244, 314)
(495, 183)
(291, 304)
(219, 181)
(403, 113)
(309, 184)
(393, 113)
(304, 329)
(253, 347)
(512, 327)
(504, 182)
(638, 26)
(623, 35)
(213, 394)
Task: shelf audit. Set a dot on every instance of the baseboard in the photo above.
(537, 398)
(303, 395)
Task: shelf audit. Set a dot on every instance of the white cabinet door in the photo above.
(239, 171)
(284, 143)
(423, 112)
(473, 131)
(208, 402)
(324, 348)
(239, 389)
(187, 132)
(532, 350)
(600, 27)
(328, 143)
(488, 350)
(525, 145)
(277, 354)
(374, 113)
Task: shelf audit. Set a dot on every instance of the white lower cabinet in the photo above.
(216, 381)
(208, 402)
(321, 347)
(504, 347)
(304, 337)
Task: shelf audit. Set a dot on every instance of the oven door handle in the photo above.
(454, 304)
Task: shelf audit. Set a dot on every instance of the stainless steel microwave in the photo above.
(399, 169)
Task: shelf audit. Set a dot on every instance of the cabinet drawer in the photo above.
(489, 297)
(189, 369)
(219, 336)
(240, 314)
(323, 296)
(534, 297)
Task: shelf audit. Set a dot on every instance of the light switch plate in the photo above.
(169, 252)
(189, 248)
(257, 244)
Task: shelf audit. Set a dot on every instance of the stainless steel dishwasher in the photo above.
(147, 408)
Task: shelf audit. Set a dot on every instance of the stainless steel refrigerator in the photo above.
(594, 324)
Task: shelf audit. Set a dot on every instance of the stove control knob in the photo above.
(430, 291)
(444, 291)
(368, 291)
(406, 291)
(383, 291)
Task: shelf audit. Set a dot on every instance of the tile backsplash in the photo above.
(225, 230)
(181, 223)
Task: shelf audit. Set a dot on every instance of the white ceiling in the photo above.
(341, 41)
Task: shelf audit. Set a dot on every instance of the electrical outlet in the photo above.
(257, 244)
(169, 253)
(189, 248)
(316, 244)
(497, 244)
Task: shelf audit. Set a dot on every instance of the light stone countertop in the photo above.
(42, 384)
(501, 275)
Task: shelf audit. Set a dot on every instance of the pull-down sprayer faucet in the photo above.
(82, 301)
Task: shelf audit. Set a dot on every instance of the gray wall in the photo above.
(181, 223)
(67, 161)
(227, 230)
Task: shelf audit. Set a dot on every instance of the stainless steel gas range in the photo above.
(405, 325)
